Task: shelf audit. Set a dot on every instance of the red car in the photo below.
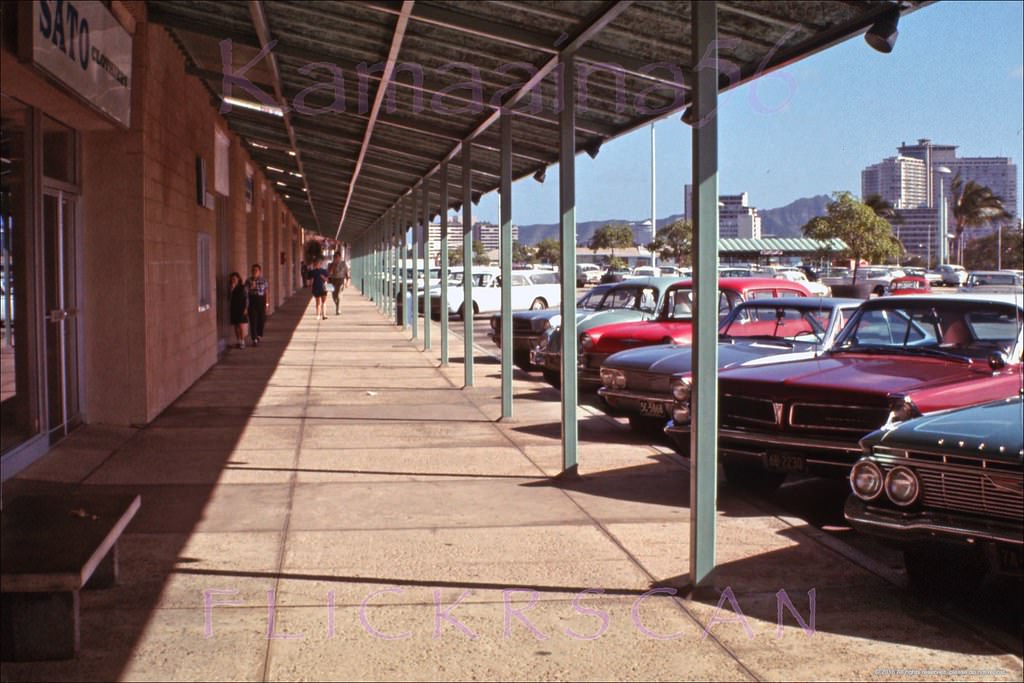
(909, 284)
(674, 322)
(897, 358)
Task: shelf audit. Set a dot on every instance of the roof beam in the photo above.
(259, 23)
(396, 45)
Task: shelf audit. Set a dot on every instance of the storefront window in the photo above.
(16, 418)
(58, 151)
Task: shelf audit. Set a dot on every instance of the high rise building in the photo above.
(490, 235)
(736, 218)
(910, 182)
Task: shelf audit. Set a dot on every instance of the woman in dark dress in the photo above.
(319, 277)
(239, 307)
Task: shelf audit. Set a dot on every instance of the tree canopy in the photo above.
(674, 242)
(612, 236)
(981, 253)
(522, 253)
(548, 250)
(867, 235)
(480, 257)
(973, 205)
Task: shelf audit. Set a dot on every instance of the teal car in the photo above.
(627, 301)
(948, 488)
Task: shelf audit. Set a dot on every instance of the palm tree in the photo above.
(973, 205)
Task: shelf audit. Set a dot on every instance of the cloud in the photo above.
(1017, 72)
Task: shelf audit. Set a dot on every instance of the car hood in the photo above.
(860, 373)
(642, 333)
(671, 359)
(992, 430)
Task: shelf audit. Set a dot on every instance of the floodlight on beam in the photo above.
(882, 35)
(476, 198)
(541, 174)
(593, 148)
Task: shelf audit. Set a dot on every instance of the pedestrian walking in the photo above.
(319, 278)
(258, 289)
(337, 274)
(239, 307)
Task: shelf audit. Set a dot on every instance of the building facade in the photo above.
(736, 218)
(901, 180)
(125, 205)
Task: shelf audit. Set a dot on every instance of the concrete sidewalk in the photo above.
(333, 505)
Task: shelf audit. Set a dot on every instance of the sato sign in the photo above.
(83, 46)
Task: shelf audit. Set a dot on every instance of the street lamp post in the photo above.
(654, 215)
(943, 246)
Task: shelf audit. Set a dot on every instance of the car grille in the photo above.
(521, 326)
(837, 418)
(981, 487)
(741, 410)
(648, 381)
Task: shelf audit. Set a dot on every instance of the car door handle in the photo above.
(57, 315)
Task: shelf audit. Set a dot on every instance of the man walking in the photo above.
(337, 273)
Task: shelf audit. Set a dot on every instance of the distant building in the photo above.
(910, 182)
(736, 218)
(490, 234)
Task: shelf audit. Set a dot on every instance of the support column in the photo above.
(506, 264)
(467, 259)
(567, 261)
(415, 299)
(403, 232)
(443, 191)
(425, 249)
(389, 299)
(704, 433)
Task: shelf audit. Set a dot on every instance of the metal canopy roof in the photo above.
(348, 150)
(730, 245)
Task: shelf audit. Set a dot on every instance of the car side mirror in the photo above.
(997, 361)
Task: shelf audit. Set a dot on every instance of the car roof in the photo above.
(741, 283)
(656, 281)
(922, 299)
(807, 302)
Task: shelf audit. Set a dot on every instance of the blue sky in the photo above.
(956, 76)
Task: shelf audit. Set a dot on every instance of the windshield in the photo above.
(778, 322)
(591, 301)
(642, 298)
(969, 329)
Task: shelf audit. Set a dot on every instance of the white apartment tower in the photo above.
(736, 218)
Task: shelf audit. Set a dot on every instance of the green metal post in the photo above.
(444, 264)
(425, 250)
(414, 222)
(403, 232)
(506, 264)
(467, 259)
(704, 435)
(567, 263)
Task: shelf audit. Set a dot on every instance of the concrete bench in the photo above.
(50, 547)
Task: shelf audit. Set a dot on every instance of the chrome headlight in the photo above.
(901, 408)
(681, 387)
(586, 342)
(866, 479)
(901, 485)
(612, 378)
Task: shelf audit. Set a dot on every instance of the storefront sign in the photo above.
(83, 46)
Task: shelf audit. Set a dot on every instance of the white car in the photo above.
(953, 275)
(815, 288)
(531, 289)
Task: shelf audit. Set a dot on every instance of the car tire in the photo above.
(538, 304)
(553, 377)
(648, 426)
(752, 478)
(937, 569)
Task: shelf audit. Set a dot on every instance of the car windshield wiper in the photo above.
(938, 353)
(861, 348)
(767, 338)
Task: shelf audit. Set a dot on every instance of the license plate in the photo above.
(779, 462)
(652, 409)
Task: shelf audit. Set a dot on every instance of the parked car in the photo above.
(530, 290)
(949, 490)
(674, 322)
(627, 301)
(611, 276)
(815, 288)
(953, 275)
(909, 284)
(898, 358)
(878, 277)
(587, 274)
(644, 271)
(529, 326)
(993, 281)
(638, 383)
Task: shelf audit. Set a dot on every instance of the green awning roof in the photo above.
(786, 245)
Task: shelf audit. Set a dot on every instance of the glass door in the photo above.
(61, 312)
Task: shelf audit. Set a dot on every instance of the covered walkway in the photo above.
(339, 465)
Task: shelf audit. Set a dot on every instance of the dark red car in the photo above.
(674, 322)
(897, 358)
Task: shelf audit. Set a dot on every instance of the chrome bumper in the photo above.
(761, 441)
(921, 526)
(619, 396)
